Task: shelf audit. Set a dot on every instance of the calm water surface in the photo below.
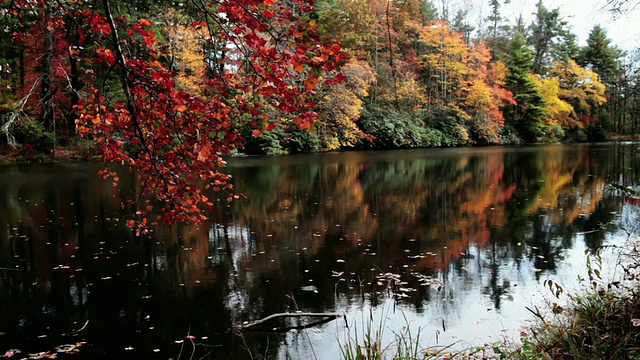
(470, 235)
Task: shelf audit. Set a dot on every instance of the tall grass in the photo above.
(596, 325)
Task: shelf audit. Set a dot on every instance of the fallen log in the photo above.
(324, 318)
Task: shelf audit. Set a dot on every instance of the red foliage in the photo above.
(175, 140)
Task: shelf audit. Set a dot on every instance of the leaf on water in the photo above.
(310, 288)
(635, 322)
(11, 353)
(42, 355)
(69, 348)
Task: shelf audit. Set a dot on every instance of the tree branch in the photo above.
(325, 317)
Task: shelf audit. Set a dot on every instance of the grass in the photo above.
(404, 346)
(596, 325)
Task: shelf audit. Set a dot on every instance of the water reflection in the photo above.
(314, 234)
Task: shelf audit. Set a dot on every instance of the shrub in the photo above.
(267, 144)
(303, 141)
(397, 129)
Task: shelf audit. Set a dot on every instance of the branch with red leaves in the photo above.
(176, 140)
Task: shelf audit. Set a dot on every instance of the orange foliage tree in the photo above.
(463, 78)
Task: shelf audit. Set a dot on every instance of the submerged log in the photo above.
(323, 318)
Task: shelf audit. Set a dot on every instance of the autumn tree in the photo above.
(559, 111)
(462, 80)
(353, 22)
(42, 76)
(170, 111)
(580, 88)
(342, 105)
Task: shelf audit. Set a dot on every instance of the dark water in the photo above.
(482, 227)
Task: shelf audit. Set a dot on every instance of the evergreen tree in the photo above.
(461, 25)
(428, 12)
(546, 34)
(496, 38)
(529, 113)
(603, 58)
(600, 56)
(567, 49)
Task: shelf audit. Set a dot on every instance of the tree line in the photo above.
(415, 75)
(434, 79)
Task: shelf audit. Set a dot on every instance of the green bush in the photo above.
(396, 129)
(577, 135)
(303, 141)
(270, 142)
(556, 133)
(448, 123)
(597, 133)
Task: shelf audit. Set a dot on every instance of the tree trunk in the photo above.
(74, 75)
(47, 115)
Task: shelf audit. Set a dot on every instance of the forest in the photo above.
(170, 87)
(410, 73)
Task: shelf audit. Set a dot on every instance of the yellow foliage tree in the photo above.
(581, 88)
(560, 111)
(186, 49)
(343, 105)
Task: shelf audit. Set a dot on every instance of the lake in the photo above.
(450, 243)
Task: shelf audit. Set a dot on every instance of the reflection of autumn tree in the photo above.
(443, 203)
(419, 213)
(558, 197)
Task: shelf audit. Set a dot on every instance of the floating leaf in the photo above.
(11, 353)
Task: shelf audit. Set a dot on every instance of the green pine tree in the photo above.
(529, 114)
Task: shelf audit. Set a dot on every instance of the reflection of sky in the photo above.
(238, 237)
(470, 318)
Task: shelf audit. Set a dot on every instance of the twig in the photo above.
(327, 317)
